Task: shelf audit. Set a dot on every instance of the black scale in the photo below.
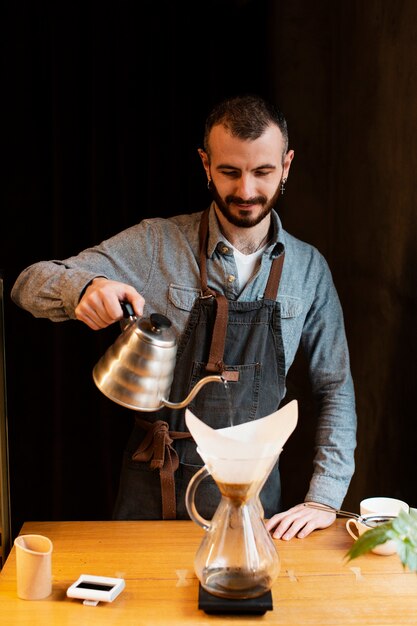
(213, 605)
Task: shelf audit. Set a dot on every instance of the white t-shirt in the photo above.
(247, 264)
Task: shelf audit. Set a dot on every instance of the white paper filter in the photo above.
(243, 453)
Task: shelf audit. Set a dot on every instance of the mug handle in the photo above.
(349, 523)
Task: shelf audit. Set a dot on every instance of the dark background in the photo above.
(103, 111)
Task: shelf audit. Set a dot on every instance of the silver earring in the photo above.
(208, 183)
(283, 181)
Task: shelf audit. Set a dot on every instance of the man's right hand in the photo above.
(100, 305)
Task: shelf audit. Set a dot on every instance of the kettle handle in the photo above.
(127, 309)
(128, 315)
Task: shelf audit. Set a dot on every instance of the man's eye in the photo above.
(262, 172)
(231, 173)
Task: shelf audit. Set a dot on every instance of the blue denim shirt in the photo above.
(159, 257)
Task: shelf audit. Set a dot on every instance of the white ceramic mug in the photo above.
(382, 506)
(376, 506)
(33, 566)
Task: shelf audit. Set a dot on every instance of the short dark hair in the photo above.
(246, 117)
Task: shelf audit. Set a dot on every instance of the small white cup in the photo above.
(33, 566)
(357, 526)
(376, 506)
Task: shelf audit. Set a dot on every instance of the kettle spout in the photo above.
(194, 391)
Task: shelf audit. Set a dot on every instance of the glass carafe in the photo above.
(237, 557)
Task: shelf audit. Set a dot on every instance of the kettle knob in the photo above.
(159, 322)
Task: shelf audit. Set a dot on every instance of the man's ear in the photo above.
(287, 162)
(205, 160)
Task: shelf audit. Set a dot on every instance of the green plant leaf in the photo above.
(371, 538)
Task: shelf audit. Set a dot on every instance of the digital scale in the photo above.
(213, 605)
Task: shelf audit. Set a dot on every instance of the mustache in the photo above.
(236, 200)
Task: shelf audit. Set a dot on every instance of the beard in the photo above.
(242, 220)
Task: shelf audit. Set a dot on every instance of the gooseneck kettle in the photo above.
(138, 369)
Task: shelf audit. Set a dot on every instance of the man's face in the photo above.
(246, 175)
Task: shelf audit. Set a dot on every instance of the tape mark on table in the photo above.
(357, 572)
(182, 578)
(293, 578)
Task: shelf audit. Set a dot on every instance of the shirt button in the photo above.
(231, 278)
(223, 248)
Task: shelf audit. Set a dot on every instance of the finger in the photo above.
(138, 305)
(282, 528)
(307, 529)
(296, 528)
(91, 311)
(91, 322)
(102, 306)
(136, 300)
(111, 310)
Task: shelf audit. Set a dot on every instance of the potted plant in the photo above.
(402, 530)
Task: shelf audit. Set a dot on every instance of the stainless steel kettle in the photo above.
(138, 369)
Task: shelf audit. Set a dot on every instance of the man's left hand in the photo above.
(299, 521)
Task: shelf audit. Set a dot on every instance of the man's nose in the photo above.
(246, 187)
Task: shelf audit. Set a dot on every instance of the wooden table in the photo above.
(315, 585)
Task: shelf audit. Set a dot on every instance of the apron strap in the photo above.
(203, 239)
(156, 447)
(215, 361)
(274, 278)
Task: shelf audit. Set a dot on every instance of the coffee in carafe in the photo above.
(237, 557)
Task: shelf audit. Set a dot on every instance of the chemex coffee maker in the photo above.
(237, 559)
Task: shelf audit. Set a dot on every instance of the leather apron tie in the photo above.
(156, 447)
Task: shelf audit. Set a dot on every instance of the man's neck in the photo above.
(246, 240)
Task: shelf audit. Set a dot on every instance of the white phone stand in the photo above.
(95, 589)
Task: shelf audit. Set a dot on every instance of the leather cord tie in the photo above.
(156, 447)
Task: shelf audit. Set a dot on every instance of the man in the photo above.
(231, 272)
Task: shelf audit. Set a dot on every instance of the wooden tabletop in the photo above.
(315, 585)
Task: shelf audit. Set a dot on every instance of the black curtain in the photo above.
(103, 106)
(103, 113)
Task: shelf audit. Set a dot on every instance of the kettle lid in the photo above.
(156, 330)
